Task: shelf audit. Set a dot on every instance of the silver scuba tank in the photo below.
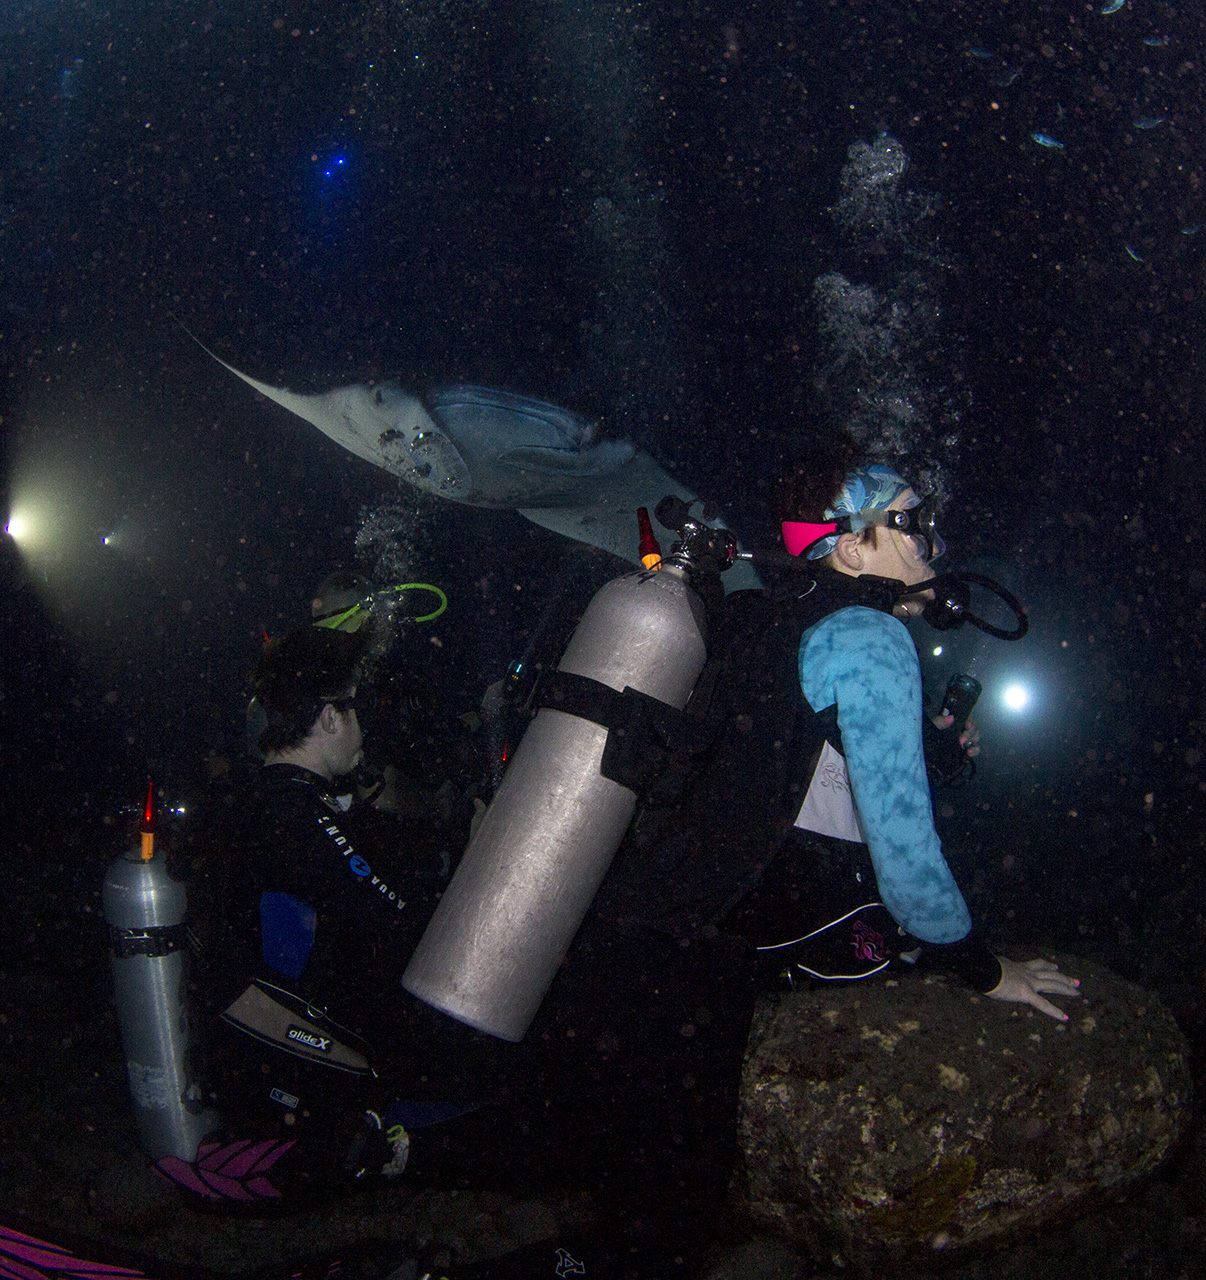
(145, 910)
(534, 866)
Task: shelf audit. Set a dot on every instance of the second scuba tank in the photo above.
(145, 911)
(532, 870)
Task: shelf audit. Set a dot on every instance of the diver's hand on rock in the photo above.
(1021, 983)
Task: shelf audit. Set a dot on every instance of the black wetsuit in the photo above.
(625, 1083)
(326, 906)
(292, 844)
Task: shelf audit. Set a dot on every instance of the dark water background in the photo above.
(621, 208)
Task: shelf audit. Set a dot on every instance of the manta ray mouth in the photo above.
(522, 420)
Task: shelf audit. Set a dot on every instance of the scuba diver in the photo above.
(861, 850)
(309, 908)
(408, 721)
(338, 599)
(406, 718)
(807, 827)
(328, 1076)
(804, 838)
(345, 602)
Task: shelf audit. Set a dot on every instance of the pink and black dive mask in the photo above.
(818, 540)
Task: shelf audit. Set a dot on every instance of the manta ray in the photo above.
(490, 448)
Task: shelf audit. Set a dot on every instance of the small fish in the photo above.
(1192, 229)
(1046, 140)
(1156, 42)
(1112, 6)
(1133, 254)
(1005, 77)
(978, 51)
(1148, 122)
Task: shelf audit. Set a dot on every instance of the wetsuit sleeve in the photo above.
(863, 660)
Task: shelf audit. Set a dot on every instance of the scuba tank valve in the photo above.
(145, 910)
(650, 552)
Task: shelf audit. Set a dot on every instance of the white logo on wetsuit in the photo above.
(357, 865)
(829, 807)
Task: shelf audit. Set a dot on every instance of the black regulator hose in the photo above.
(951, 605)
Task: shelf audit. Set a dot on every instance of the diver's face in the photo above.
(898, 555)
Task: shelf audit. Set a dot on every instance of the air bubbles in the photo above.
(388, 540)
(870, 203)
(879, 338)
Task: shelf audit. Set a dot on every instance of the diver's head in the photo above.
(340, 602)
(874, 524)
(306, 683)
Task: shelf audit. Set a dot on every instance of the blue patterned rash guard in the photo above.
(863, 660)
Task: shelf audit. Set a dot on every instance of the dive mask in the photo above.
(916, 522)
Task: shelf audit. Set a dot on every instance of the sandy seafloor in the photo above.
(70, 1168)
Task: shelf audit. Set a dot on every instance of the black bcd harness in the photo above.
(708, 828)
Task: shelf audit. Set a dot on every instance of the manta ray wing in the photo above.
(490, 448)
(382, 424)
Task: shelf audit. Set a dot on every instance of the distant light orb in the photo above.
(17, 527)
(332, 165)
(1016, 697)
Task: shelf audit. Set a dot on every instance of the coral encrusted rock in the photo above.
(885, 1118)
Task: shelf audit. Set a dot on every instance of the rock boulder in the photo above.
(887, 1118)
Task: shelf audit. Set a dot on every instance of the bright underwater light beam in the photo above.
(52, 507)
(1015, 697)
(32, 522)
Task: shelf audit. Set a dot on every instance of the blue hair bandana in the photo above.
(875, 487)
